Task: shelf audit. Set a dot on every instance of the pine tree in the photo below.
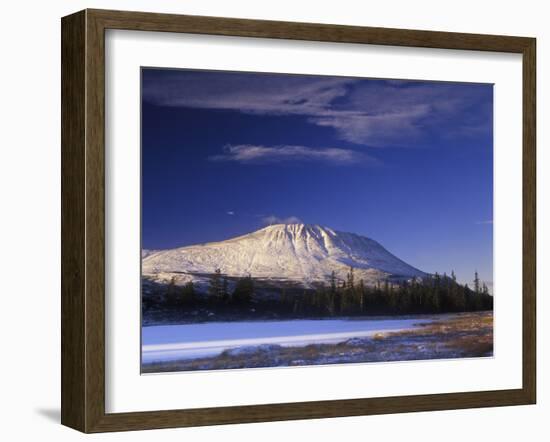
(188, 293)
(333, 282)
(351, 279)
(392, 299)
(172, 295)
(476, 283)
(244, 290)
(331, 303)
(225, 289)
(361, 295)
(284, 298)
(215, 288)
(404, 297)
(436, 300)
(467, 298)
(296, 307)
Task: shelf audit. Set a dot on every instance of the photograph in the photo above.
(292, 220)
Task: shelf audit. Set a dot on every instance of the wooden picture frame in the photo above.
(83, 220)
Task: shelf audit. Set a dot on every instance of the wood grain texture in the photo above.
(95, 222)
(83, 220)
(144, 21)
(73, 255)
(529, 221)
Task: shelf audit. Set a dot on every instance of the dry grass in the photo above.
(468, 333)
(449, 336)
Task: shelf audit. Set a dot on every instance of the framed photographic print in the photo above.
(268, 221)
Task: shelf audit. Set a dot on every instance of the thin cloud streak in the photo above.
(252, 154)
(247, 93)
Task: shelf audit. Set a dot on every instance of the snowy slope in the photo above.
(146, 252)
(301, 253)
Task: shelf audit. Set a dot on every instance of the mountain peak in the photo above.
(296, 227)
(300, 253)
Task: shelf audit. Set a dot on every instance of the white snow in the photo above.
(171, 342)
(296, 252)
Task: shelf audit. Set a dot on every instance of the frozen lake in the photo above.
(172, 342)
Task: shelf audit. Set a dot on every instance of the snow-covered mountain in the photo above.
(298, 253)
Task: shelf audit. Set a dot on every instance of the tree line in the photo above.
(433, 294)
(218, 292)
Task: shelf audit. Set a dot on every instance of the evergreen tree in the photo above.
(333, 282)
(436, 294)
(172, 295)
(244, 290)
(284, 298)
(467, 297)
(188, 293)
(215, 287)
(392, 299)
(361, 295)
(476, 283)
(405, 297)
(225, 289)
(351, 281)
(331, 303)
(296, 308)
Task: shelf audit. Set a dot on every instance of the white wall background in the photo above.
(30, 221)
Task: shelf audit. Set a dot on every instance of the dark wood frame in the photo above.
(83, 217)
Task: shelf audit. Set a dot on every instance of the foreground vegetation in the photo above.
(447, 336)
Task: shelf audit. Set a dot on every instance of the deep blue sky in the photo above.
(409, 164)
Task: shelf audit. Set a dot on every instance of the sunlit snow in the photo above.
(295, 252)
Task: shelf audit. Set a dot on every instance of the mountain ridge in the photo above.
(305, 254)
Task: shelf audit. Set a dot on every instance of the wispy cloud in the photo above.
(246, 92)
(272, 219)
(376, 113)
(378, 130)
(252, 154)
(230, 212)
